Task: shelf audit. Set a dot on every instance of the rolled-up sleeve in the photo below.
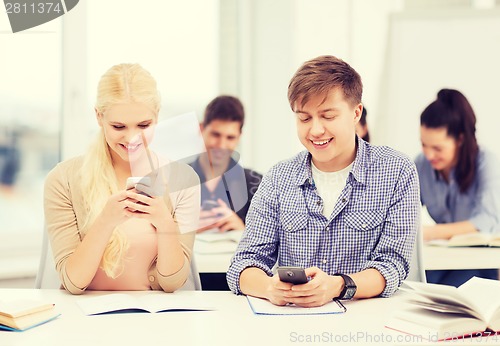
(259, 244)
(61, 223)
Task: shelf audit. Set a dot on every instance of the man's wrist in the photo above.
(348, 288)
(338, 286)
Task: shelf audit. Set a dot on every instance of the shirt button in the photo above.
(318, 202)
(151, 278)
(289, 226)
(364, 225)
(324, 261)
(344, 200)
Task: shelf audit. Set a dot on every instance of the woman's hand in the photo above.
(115, 211)
(152, 208)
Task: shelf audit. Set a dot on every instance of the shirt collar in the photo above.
(362, 161)
(197, 167)
(304, 173)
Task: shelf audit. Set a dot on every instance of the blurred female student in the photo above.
(103, 236)
(459, 182)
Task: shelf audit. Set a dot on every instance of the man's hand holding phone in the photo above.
(312, 287)
(217, 215)
(281, 284)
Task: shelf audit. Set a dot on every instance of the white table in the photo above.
(213, 263)
(218, 261)
(233, 323)
(437, 257)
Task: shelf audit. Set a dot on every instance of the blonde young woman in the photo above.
(103, 236)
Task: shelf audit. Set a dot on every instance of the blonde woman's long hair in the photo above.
(121, 83)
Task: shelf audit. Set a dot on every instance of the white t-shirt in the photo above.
(329, 186)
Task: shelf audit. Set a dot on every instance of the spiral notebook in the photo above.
(261, 306)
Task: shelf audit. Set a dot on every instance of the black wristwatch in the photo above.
(349, 287)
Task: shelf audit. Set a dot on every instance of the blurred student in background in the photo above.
(362, 126)
(103, 236)
(459, 182)
(10, 159)
(227, 188)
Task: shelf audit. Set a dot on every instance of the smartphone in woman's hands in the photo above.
(141, 184)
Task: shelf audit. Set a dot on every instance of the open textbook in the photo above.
(460, 240)
(469, 239)
(264, 307)
(440, 312)
(152, 302)
(20, 315)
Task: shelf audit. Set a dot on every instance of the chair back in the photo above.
(417, 270)
(47, 276)
(193, 282)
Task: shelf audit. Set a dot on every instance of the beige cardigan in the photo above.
(65, 215)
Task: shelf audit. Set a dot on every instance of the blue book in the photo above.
(21, 315)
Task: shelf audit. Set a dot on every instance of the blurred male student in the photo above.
(227, 188)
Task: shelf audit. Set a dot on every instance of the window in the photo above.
(176, 41)
(30, 90)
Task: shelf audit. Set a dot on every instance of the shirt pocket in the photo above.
(361, 233)
(364, 220)
(298, 243)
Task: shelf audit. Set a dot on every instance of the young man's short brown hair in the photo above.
(225, 108)
(322, 74)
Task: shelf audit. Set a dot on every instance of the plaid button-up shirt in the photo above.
(373, 225)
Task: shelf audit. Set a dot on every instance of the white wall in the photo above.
(405, 51)
(269, 40)
(270, 67)
(285, 33)
(431, 50)
(177, 41)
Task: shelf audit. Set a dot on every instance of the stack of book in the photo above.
(21, 315)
